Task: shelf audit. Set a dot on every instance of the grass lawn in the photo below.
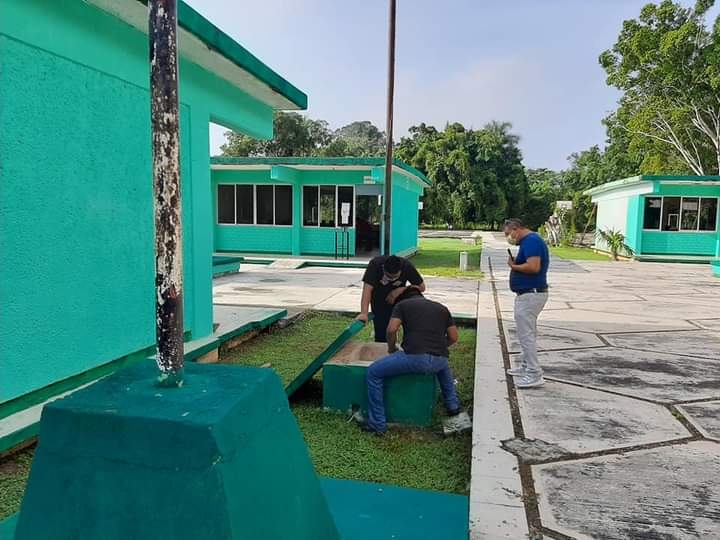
(578, 254)
(417, 458)
(441, 257)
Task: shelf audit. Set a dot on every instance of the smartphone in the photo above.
(510, 254)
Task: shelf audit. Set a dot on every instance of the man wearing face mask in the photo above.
(528, 280)
(385, 279)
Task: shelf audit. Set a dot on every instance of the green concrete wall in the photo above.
(76, 218)
(679, 243)
(300, 240)
(221, 458)
(404, 214)
(633, 228)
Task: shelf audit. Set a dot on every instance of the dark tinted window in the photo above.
(226, 204)
(653, 207)
(265, 205)
(244, 213)
(283, 205)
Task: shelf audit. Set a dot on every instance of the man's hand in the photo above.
(392, 349)
(511, 261)
(395, 294)
(362, 317)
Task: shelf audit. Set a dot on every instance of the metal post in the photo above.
(387, 203)
(166, 188)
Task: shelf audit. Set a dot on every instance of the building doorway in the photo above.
(368, 211)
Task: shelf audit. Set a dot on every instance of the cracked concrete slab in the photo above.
(550, 339)
(709, 324)
(581, 420)
(605, 323)
(665, 310)
(664, 493)
(661, 377)
(702, 343)
(705, 417)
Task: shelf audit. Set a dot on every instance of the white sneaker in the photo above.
(530, 381)
(517, 371)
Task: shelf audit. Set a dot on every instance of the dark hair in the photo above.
(410, 292)
(514, 222)
(393, 264)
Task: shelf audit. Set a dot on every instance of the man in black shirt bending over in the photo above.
(428, 331)
(384, 280)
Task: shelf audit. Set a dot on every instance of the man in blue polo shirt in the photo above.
(528, 280)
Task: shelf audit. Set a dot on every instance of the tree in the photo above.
(478, 177)
(294, 135)
(667, 64)
(361, 139)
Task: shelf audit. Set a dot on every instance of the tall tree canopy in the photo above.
(478, 174)
(667, 64)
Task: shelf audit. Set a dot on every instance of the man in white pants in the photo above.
(528, 280)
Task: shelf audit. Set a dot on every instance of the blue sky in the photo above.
(529, 62)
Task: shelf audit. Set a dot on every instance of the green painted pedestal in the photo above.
(409, 399)
(220, 458)
(715, 266)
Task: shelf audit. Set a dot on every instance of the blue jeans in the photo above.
(400, 363)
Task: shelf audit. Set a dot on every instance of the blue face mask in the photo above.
(511, 240)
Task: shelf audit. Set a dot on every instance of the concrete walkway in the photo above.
(623, 441)
(325, 289)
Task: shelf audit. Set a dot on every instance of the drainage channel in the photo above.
(528, 485)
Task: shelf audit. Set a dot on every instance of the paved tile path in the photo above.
(623, 441)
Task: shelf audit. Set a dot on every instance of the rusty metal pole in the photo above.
(387, 203)
(166, 188)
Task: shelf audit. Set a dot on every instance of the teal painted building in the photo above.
(312, 206)
(76, 201)
(662, 217)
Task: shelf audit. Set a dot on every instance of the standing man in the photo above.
(428, 331)
(385, 279)
(528, 280)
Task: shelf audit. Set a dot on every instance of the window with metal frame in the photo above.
(323, 206)
(686, 214)
(251, 204)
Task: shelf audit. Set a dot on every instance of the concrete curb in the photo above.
(496, 505)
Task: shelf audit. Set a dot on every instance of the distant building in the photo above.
(662, 217)
(311, 206)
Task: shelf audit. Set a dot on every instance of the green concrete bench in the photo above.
(409, 399)
(225, 265)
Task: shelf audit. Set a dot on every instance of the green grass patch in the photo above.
(410, 457)
(578, 254)
(289, 350)
(441, 257)
(14, 472)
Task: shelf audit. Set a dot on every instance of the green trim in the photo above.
(43, 394)
(333, 264)
(219, 41)
(320, 162)
(323, 357)
(655, 178)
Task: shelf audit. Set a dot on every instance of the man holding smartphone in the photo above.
(528, 280)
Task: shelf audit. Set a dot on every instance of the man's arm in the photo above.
(452, 335)
(391, 334)
(531, 266)
(365, 302)
(414, 277)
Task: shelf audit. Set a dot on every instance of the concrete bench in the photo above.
(409, 399)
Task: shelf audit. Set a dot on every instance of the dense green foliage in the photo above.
(666, 63)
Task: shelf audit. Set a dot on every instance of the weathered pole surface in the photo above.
(389, 127)
(166, 188)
